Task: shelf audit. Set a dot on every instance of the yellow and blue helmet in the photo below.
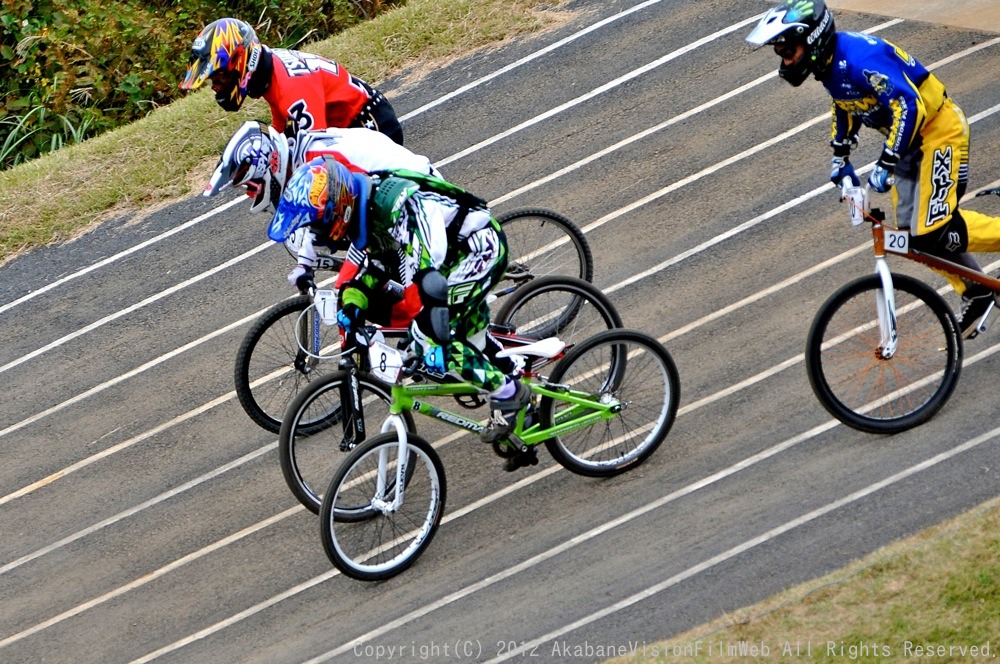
(226, 52)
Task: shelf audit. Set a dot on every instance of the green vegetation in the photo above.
(170, 151)
(939, 589)
(73, 69)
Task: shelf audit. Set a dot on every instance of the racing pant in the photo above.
(479, 265)
(930, 180)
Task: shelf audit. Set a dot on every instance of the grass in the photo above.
(939, 588)
(171, 152)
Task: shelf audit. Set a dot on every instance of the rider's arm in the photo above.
(429, 237)
(353, 262)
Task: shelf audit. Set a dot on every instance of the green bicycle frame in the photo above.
(584, 411)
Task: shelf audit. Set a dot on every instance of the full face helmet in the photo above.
(798, 22)
(226, 52)
(256, 157)
(323, 193)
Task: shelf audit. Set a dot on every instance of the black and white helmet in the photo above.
(256, 157)
(794, 22)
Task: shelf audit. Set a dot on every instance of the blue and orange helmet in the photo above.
(226, 52)
(322, 192)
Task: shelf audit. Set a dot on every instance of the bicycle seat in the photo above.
(547, 348)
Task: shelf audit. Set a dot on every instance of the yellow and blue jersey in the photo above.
(875, 83)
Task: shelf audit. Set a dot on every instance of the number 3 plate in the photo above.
(386, 362)
(898, 242)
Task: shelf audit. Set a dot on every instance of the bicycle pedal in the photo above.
(522, 459)
(980, 326)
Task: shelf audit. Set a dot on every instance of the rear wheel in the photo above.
(626, 368)
(542, 243)
(564, 307)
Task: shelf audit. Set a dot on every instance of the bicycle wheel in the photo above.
(540, 243)
(852, 380)
(647, 388)
(390, 540)
(309, 454)
(271, 368)
(555, 306)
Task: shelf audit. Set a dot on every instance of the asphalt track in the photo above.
(144, 517)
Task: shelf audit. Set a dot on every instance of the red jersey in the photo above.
(309, 92)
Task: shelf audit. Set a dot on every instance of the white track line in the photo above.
(671, 335)
(231, 262)
(525, 60)
(411, 114)
(138, 305)
(598, 91)
(632, 207)
(694, 325)
(201, 553)
(121, 254)
(747, 545)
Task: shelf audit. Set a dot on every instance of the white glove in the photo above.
(293, 276)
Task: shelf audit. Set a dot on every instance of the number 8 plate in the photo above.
(386, 362)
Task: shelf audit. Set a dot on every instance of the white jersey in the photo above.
(359, 149)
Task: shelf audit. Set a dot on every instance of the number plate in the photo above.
(386, 361)
(326, 305)
(898, 242)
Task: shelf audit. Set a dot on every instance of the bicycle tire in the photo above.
(541, 243)
(855, 384)
(357, 548)
(309, 454)
(558, 306)
(270, 349)
(647, 387)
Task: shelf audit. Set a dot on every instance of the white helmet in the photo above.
(255, 157)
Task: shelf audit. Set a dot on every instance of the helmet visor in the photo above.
(288, 219)
(198, 71)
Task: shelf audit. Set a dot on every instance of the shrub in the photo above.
(72, 69)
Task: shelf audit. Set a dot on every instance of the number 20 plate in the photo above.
(386, 362)
(898, 242)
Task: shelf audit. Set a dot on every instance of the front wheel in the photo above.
(861, 388)
(271, 365)
(393, 536)
(316, 425)
(625, 368)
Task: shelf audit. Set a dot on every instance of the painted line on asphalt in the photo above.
(748, 545)
(979, 116)
(487, 500)
(622, 80)
(138, 305)
(414, 113)
(103, 321)
(525, 60)
(118, 256)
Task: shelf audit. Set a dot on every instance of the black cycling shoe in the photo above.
(503, 414)
(977, 302)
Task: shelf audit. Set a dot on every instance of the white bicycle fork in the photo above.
(378, 501)
(885, 304)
